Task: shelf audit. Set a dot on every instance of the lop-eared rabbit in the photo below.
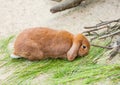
(41, 43)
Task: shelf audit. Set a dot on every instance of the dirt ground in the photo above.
(16, 15)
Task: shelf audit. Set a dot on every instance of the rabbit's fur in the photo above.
(41, 43)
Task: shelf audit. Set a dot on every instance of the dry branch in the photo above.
(116, 49)
(102, 31)
(57, 0)
(114, 52)
(65, 4)
(103, 23)
(111, 34)
(108, 29)
(106, 47)
(91, 30)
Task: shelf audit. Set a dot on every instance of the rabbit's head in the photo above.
(84, 46)
(80, 47)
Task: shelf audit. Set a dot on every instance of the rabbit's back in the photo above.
(50, 42)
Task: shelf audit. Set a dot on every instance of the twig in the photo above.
(94, 29)
(111, 34)
(98, 32)
(57, 0)
(107, 22)
(105, 47)
(102, 24)
(65, 4)
(93, 38)
(114, 52)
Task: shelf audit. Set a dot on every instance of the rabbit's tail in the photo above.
(14, 56)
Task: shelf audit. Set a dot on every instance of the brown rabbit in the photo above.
(41, 43)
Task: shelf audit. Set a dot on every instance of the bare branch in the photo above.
(111, 34)
(65, 4)
(93, 29)
(99, 32)
(57, 0)
(114, 52)
(105, 47)
(102, 24)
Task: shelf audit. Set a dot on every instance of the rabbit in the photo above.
(42, 42)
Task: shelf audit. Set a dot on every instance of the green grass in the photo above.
(81, 71)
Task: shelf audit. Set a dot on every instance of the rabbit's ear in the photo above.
(72, 53)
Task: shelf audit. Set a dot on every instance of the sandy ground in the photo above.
(16, 15)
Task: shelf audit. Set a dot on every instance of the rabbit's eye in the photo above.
(84, 47)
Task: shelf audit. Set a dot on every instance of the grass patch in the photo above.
(82, 70)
